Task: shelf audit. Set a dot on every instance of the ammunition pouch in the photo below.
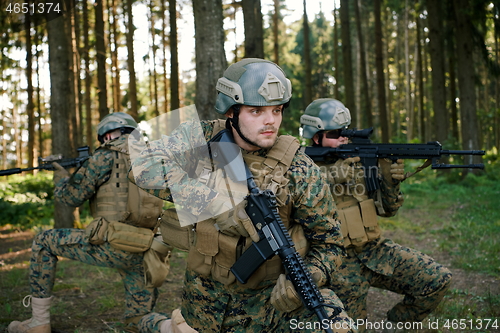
(173, 234)
(96, 231)
(126, 237)
(359, 223)
(157, 263)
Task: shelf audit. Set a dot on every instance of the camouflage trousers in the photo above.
(210, 306)
(386, 265)
(72, 244)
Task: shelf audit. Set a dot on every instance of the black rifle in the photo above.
(274, 237)
(369, 152)
(46, 163)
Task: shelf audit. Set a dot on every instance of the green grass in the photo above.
(466, 219)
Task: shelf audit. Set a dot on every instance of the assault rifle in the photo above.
(369, 152)
(274, 237)
(46, 163)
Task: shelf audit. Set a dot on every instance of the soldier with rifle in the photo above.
(119, 209)
(289, 205)
(371, 261)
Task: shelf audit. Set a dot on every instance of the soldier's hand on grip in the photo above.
(60, 172)
(392, 171)
(342, 172)
(284, 297)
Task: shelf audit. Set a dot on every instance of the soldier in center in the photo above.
(253, 95)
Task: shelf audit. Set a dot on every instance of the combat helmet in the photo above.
(114, 121)
(252, 81)
(324, 114)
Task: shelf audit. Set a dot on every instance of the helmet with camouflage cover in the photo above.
(324, 114)
(252, 81)
(114, 121)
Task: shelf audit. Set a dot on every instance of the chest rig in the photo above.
(357, 211)
(119, 200)
(214, 253)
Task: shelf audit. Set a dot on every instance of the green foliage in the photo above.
(27, 201)
(466, 216)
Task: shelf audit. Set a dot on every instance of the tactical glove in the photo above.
(59, 173)
(284, 297)
(177, 324)
(392, 172)
(342, 172)
(232, 222)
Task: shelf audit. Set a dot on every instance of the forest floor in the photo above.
(90, 299)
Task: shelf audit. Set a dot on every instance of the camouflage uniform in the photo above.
(210, 306)
(383, 264)
(72, 243)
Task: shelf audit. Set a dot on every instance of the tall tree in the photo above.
(254, 32)
(337, 72)
(114, 37)
(345, 31)
(276, 20)
(101, 60)
(307, 59)
(164, 45)
(60, 104)
(88, 76)
(132, 89)
(366, 108)
(210, 56)
(437, 55)
(30, 105)
(379, 64)
(174, 58)
(466, 77)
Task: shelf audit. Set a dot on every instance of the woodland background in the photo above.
(415, 70)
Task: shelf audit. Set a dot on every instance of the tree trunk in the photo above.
(29, 105)
(254, 32)
(276, 19)
(366, 106)
(420, 80)
(130, 62)
(60, 104)
(347, 61)
(307, 59)
(379, 62)
(337, 71)
(466, 79)
(88, 77)
(174, 58)
(101, 60)
(164, 45)
(210, 56)
(152, 67)
(114, 37)
(437, 54)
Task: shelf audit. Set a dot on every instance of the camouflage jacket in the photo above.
(313, 206)
(85, 181)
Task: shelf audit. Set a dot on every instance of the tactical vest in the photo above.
(215, 253)
(119, 200)
(357, 212)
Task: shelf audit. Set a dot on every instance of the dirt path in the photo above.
(15, 253)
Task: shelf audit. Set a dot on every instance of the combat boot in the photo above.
(40, 320)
